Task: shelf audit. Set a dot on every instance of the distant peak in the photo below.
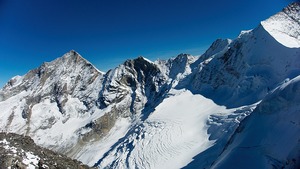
(141, 63)
(216, 47)
(183, 57)
(70, 58)
(139, 59)
(143, 58)
(72, 53)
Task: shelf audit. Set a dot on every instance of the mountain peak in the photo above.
(216, 47)
(138, 60)
(71, 60)
(285, 26)
(71, 70)
(142, 58)
(184, 59)
(183, 56)
(72, 51)
(73, 55)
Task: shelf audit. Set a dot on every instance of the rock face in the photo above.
(18, 151)
(107, 119)
(137, 82)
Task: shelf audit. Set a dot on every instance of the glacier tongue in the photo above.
(172, 135)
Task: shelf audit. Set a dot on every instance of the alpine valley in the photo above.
(235, 106)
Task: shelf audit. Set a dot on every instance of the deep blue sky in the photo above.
(107, 32)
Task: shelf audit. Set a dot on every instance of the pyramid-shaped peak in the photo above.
(72, 54)
(70, 60)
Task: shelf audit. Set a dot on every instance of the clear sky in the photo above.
(107, 32)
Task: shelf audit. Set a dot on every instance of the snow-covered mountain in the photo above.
(244, 70)
(183, 112)
(269, 137)
(47, 101)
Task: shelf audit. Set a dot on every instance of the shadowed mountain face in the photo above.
(165, 107)
(263, 135)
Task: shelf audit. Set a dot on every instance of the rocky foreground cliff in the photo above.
(20, 152)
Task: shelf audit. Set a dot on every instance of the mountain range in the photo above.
(235, 106)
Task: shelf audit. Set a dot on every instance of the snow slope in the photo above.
(171, 136)
(284, 26)
(248, 67)
(269, 137)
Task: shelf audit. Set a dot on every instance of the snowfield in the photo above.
(172, 135)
